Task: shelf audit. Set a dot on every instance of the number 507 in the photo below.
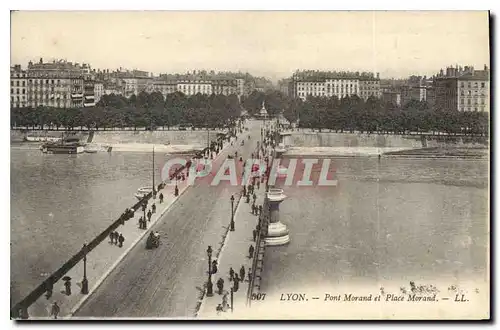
(258, 296)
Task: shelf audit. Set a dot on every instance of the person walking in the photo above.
(121, 239)
(251, 250)
(242, 273)
(231, 274)
(254, 235)
(111, 237)
(55, 310)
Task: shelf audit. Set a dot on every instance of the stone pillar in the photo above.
(277, 232)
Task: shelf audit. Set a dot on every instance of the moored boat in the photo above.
(143, 192)
(65, 146)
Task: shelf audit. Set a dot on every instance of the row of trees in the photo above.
(346, 114)
(144, 110)
(372, 115)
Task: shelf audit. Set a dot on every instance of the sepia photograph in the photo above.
(250, 165)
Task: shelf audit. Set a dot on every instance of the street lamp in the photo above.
(209, 283)
(232, 299)
(85, 282)
(232, 213)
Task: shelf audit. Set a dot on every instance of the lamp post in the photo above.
(85, 282)
(232, 292)
(209, 283)
(232, 213)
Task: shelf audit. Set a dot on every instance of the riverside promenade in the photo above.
(101, 261)
(234, 253)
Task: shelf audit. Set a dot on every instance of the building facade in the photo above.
(330, 84)
(98, 91)
(18, 87)
(194, 87)
(58, 84)
(369, 86)
(463, 89)
(164, 87)
(89, 92)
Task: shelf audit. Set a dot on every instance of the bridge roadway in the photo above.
(167, 281)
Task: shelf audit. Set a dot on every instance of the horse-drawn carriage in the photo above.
(153, 240)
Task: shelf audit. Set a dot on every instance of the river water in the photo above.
(386, 223)
(60, 201)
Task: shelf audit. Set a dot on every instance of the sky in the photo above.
(273, 44)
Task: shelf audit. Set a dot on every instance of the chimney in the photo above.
(485, 67)
(378, 75)
(41, 60)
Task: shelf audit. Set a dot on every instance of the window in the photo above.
(469, 85)
(461, 101)
(475, 109)
(24, 91)
(12, 90)
(17, 83)
(46, 81)
(482, 85)
(468, 101)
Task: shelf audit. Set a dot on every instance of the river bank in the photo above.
(401, 152)
(170, 141)
(372, 145)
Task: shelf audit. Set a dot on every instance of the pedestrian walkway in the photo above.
(234, 254)
(101, 261)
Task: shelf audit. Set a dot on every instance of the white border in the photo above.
(184, 5)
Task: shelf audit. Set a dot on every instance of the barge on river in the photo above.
(65, 146)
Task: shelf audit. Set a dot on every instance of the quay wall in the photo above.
(111, 137)
(330, 139)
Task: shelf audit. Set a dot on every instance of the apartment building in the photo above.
(369, 86)
(463, 89)
(89, 92)
(164, 87)
(18, 87)
(224, 86)
(192, 87)
(98, 91)
(57, 84)
(329, 84)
